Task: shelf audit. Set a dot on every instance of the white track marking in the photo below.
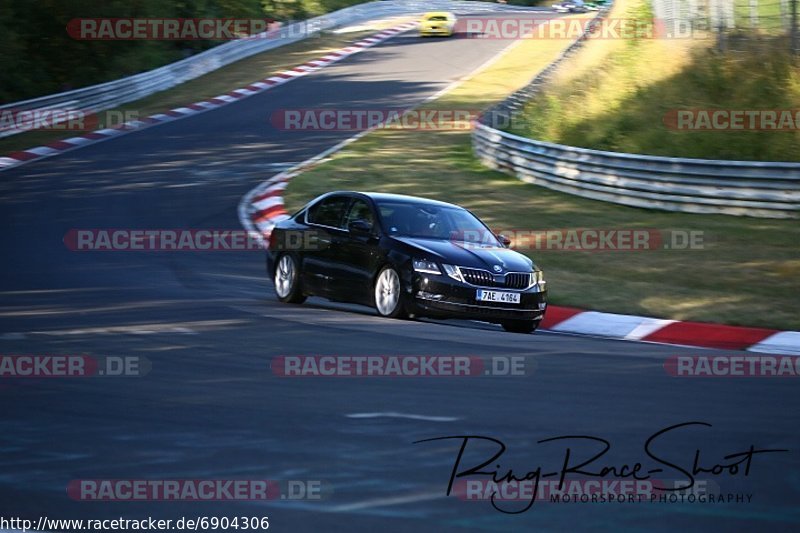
(409, 416)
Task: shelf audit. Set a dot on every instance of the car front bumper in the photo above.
(435, 31)
(440, 296)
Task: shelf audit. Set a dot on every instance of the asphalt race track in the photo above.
(209, 323)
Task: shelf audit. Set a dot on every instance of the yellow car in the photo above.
(437, 23)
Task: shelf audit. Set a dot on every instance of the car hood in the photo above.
(469, 255)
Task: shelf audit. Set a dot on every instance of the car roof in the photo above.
(438, 14)
(403, 198)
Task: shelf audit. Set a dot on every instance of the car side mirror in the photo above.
(505, 241)
(360, 227)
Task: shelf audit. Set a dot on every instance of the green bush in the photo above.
(758, 75)
(39, 57)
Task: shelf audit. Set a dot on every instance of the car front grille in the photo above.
(484, 278)
(518, 280)
(481, 278)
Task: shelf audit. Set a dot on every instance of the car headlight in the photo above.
(537, 278)
(426, 267)
(453, 272)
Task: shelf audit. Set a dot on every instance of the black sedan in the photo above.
(405, 256)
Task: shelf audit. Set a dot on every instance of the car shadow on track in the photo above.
(326, 305)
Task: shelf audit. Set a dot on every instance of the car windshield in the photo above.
(439, 18)
(422, 220)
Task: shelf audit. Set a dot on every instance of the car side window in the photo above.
(328, 212)
(360, 210)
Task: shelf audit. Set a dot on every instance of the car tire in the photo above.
(287, 280)
(520, 326)
(387, 293)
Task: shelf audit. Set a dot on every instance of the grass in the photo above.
(746, 274)
(768, 12)
(622, 106)
(220, 81)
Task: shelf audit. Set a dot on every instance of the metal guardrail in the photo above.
(758, 189)
(114, 93)
(770, 190)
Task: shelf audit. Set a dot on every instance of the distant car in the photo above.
(440, 23)
(596, 5)
(404, 255)
(576, 6)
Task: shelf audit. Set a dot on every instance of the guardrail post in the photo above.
(793, 30)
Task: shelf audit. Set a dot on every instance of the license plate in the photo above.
(498, 296)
